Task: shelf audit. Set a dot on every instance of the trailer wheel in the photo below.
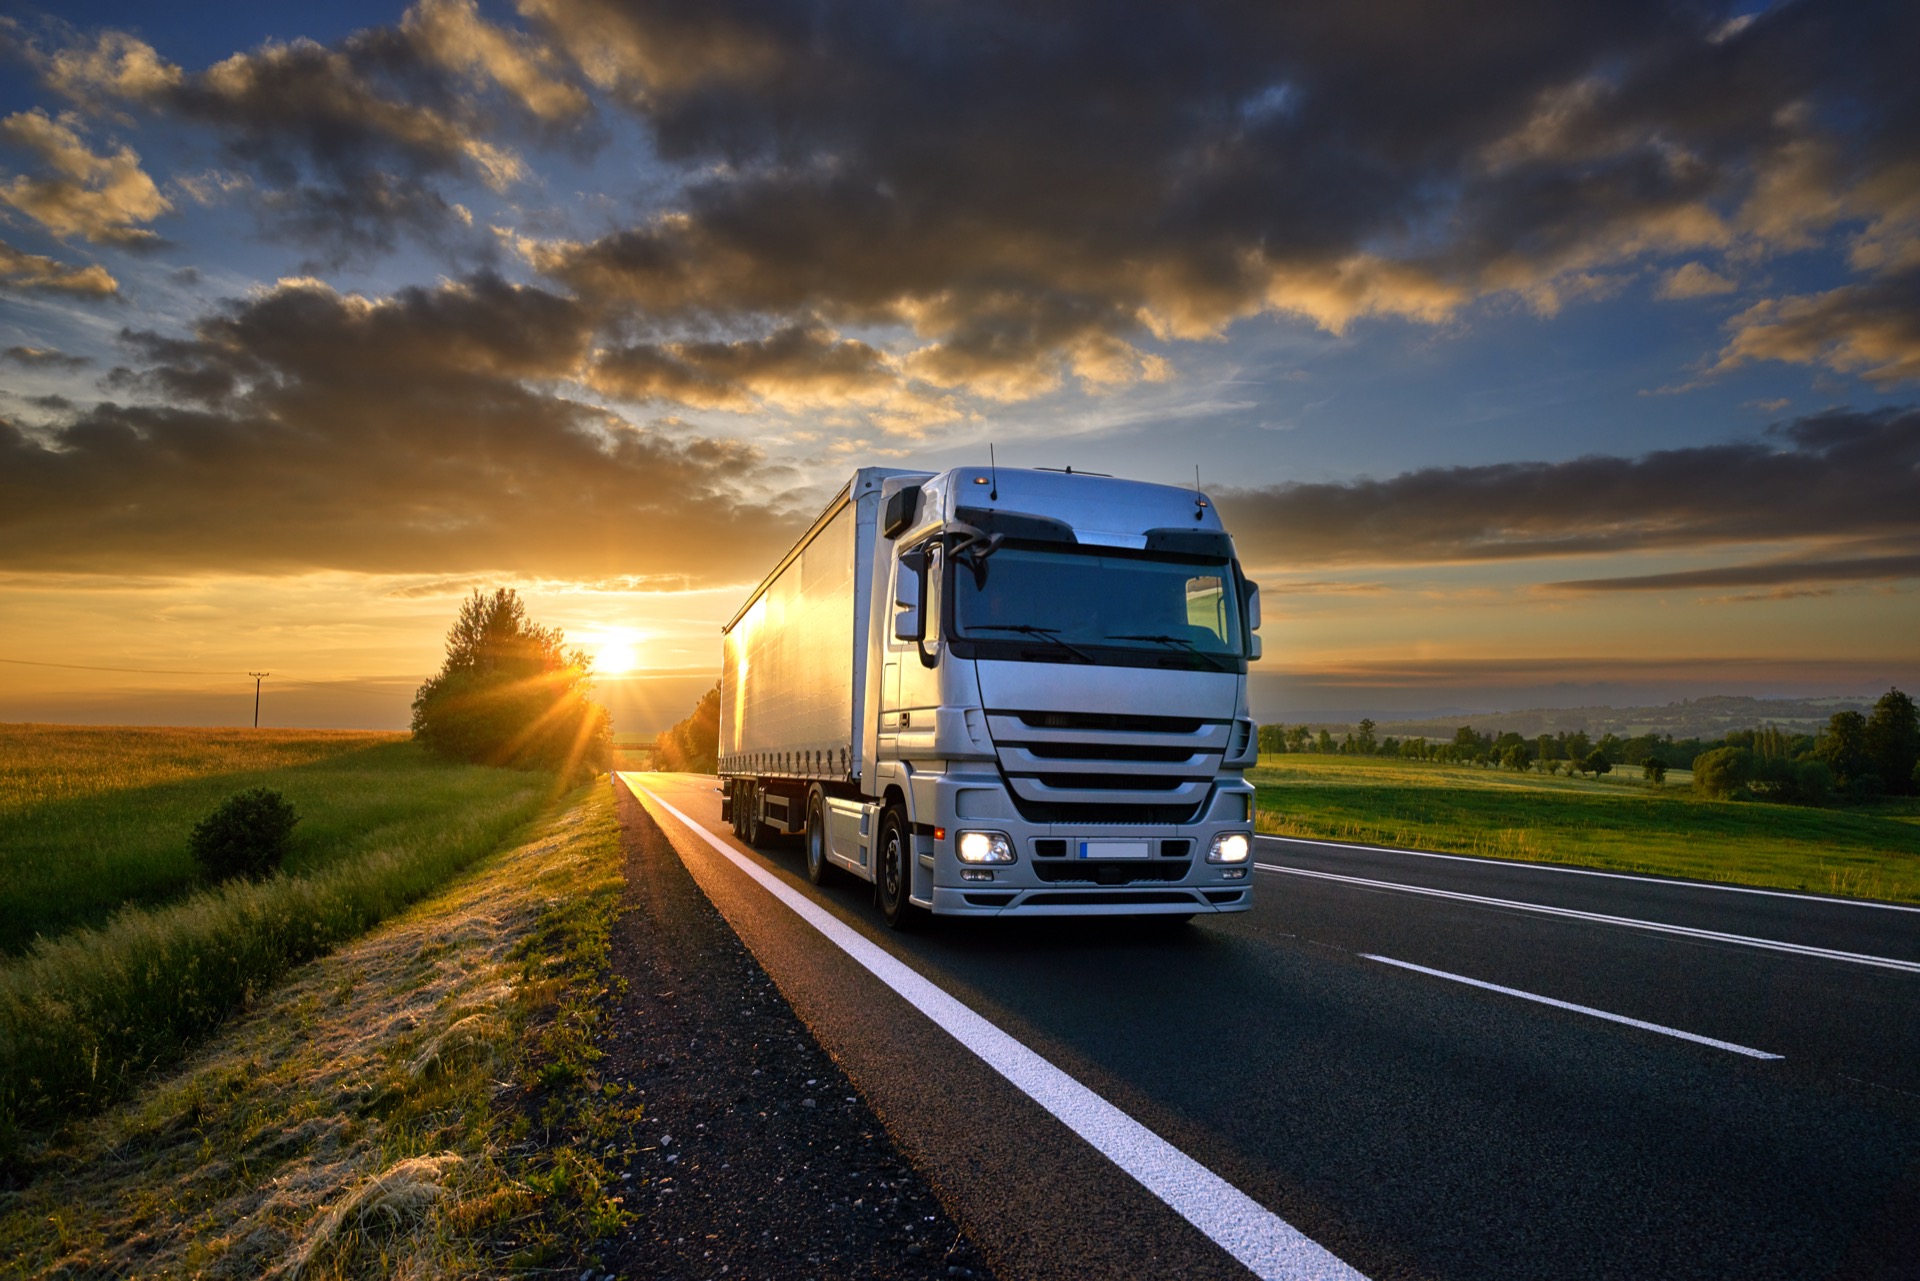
(893, 872)
(759, 833)
(739, 808)
(819, 871)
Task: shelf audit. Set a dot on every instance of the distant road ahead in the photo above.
(1430, 1067)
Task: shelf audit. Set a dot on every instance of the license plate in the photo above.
(1115, 849)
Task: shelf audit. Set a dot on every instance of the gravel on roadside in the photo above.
(754, 1156)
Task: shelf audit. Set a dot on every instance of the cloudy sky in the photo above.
(1536, 354)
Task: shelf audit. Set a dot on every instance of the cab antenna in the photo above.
(993, 468)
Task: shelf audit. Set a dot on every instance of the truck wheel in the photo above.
(819, 871)
(893, 872)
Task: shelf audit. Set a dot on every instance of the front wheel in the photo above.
(893, 874)
(819, 871)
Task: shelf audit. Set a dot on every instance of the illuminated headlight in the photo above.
(1230, 847)
(983, 847)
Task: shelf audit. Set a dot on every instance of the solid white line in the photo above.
(1588, 871)
(1268, 1245)
(1578, 1009)
(1658, 927)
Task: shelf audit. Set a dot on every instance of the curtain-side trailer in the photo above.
(1000, 692)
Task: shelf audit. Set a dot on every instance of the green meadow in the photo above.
(1620, 823)
(115, 955)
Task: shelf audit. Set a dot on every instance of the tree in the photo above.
(1597, 763)
(693, 745)
(1724, 772)
(1365, 743)
(1892, 741)
(1325, 743)
(1654, 770)
(1517, 757)
(1298, 737)
(512, 693)
(1843, 746)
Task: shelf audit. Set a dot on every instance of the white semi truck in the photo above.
(1002, 693)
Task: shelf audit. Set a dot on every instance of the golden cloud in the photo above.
(19, 270)
(98, 197)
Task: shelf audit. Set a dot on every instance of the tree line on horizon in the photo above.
(1854, 757)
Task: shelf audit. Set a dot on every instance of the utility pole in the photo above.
(256, 696)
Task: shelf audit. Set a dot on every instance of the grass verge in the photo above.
(84, 1016)
(422, 1102)
(1869, 851)
(94, 819)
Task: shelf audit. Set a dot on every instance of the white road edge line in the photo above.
(1268, 1245)
(1588, 871)
(1577, 1009)
(1658, 927)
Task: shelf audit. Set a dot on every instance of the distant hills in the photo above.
(1704, 718)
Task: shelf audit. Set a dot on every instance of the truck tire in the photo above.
(739, 808)
(893, 872)
(819, 871)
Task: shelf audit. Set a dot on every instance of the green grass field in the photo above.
(1622, 823)
(122, 955)
(93, 819)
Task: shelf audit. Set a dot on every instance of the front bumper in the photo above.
(1050, 878)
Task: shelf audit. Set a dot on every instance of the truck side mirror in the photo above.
(1253, 607)
(1253, 648)
(906, 600)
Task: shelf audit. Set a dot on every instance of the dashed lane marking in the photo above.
(1661, 1028)
(1269, 1246)
(1601, 918)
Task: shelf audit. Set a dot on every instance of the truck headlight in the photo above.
(1230, 847)
(983, 847)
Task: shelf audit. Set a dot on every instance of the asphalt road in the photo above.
(1409, 1122)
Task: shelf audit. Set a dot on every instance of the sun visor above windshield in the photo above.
(1019, 525)
(1190, 542)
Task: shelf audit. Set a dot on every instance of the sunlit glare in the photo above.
(616, 652)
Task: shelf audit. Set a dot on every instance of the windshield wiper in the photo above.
(1044, 633)
(1181, 641)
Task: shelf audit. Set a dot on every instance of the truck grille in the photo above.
(1113, 871)
(1096, 767)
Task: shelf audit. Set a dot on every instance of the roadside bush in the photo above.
(1724, 772)
(246, 836)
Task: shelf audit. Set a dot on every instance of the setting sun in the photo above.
(616, 653)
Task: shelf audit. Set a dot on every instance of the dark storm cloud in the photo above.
(1836, 476)
(1023, 185)
(304, 430)
(44, 358)
(1035, 191)
(798, 367)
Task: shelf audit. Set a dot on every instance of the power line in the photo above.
(138, 671)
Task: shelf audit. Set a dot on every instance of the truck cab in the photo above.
(1047, 705)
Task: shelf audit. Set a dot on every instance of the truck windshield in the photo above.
(1083, 601)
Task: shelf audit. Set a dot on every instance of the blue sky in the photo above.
(1565, 356)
